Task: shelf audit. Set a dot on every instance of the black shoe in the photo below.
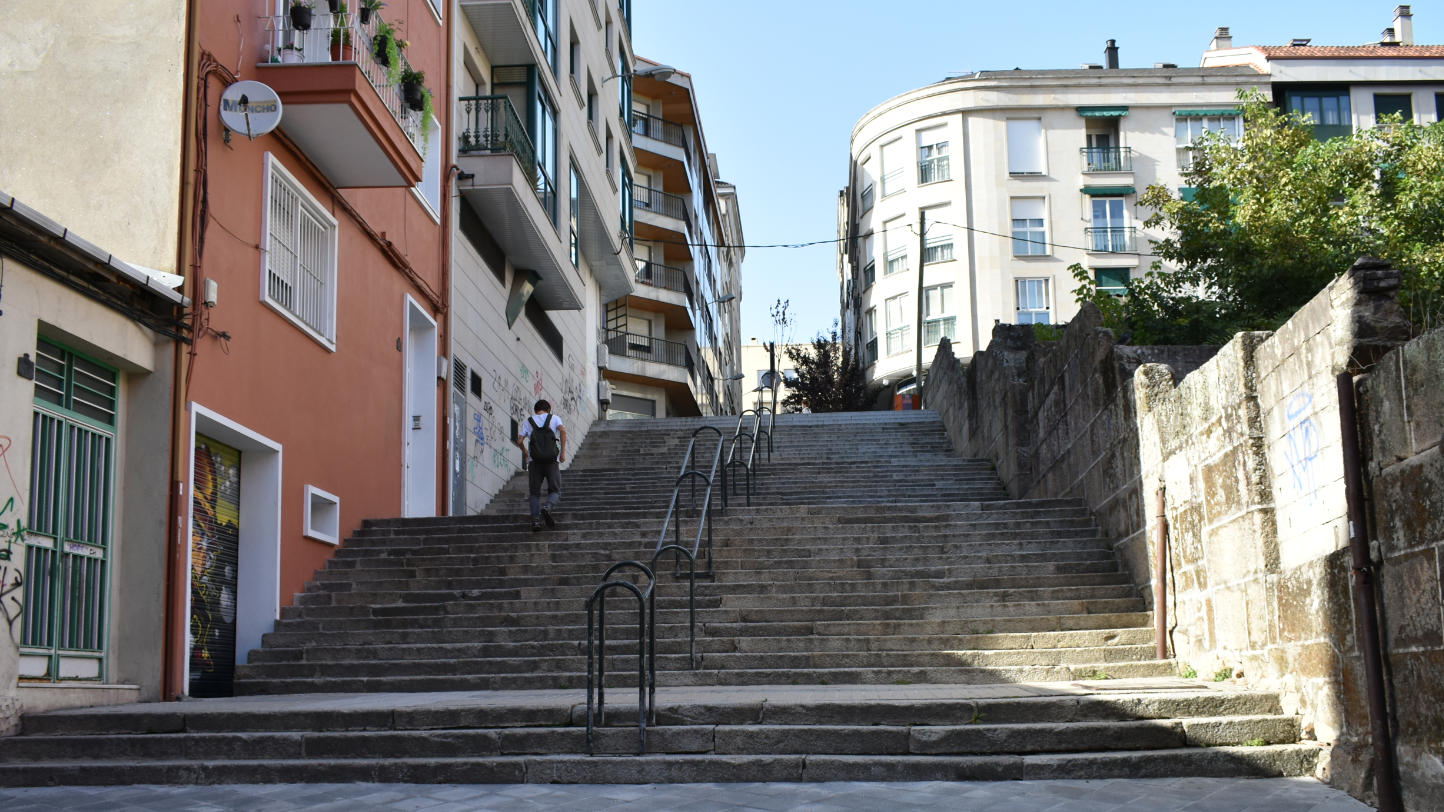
(547, 517)
(536, 526)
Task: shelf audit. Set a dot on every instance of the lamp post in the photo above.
(659, 72)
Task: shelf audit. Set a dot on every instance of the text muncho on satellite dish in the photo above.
(250, 107)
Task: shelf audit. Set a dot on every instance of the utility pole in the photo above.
(922, 256)
(772, 372)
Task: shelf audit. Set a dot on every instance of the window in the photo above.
(897, 324)
(629, 224)
(572, 218)
(545, 22)
(933, 155)
(1327, 110)
(624, 90)
(938, 247)
(550, 335)
(895, 243)
(322, 520)
(611, 151)
(546, 152)
(869, 326)
(1025, 146)
(574, 55)
(1030, 236)
(1113, 281)
(937, 304)
(430, 186)
(865, 182)
(892, 168)
(1109, 230)
(869, 264)
(1033, 302)
(1390, 103)
(1439, 106)
(299, 264)
(1188, 129)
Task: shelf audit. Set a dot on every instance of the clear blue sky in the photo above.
(780, 84)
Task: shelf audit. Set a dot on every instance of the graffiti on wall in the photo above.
(215, 539)
(1301, 446)
(12, 552)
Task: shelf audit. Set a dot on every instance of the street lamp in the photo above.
(659, 72)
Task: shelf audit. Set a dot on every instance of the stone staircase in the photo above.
(881, 611)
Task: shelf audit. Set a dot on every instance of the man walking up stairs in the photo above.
(882, 611)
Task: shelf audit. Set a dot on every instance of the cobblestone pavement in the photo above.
(1133, 795)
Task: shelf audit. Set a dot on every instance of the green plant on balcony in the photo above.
(341, 50)
(386, 46)
(301, 11)
(418, 97)
(369, 7)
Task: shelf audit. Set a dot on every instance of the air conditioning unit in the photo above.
(603, 356)
(604, 391)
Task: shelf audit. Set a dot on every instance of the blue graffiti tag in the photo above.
(1302, 445)
(476, 428)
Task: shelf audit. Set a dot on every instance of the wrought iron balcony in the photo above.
(328, 109)
(1107, 159)
(490, 124)
(666, 277)
(646, 348)
(663, 203)
(1111, 240)
(659, 128)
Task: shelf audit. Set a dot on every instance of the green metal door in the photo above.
(72, 468)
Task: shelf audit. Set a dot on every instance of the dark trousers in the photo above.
(552, 473)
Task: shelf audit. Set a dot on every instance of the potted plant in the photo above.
(413, 88)
(387, 47)
(301, 11)
(291, 54)
(341, 50)
(369, 7)
(335, 6)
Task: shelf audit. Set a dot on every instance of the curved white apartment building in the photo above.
(1018, 174)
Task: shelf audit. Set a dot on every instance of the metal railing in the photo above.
(663, 203)
(690, 474)
(659, 128)
(646, 348)
(666, 277)
(749, 462)
(1107, 159)
(934, 330)
(932, 170)
(341, 38)
(490, 124)
(1111, 240)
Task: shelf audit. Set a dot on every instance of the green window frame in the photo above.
(1329, 111)
(71, 514)
(1113, 281)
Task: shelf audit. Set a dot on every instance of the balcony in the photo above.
(933, 170)
(664, 215)
(935, 330)
(667, 290)
(1107, 159)
(1111, 240)
(654, 362)
(510, 31)
(512, 196)
(340, 107)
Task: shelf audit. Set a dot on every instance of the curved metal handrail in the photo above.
(646, 650)
(733, 460)
(679, 551)
(673, 519)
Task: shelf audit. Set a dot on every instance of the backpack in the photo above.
(543, 445)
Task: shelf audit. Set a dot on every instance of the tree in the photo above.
(1276, 215)
(829, 378)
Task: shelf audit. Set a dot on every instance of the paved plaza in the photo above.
(1134, 795)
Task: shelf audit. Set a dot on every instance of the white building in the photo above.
(1021, 174)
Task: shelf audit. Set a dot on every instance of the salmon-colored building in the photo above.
(315, 253)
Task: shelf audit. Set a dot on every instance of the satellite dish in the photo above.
(250, 107)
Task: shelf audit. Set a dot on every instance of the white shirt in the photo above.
(527, 425)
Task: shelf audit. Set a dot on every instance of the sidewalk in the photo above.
(1133, 795)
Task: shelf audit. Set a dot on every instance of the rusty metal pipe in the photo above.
(1160, 582)
(1365, 609)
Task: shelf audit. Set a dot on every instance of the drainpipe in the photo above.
(1366, 610)
(1160, 583)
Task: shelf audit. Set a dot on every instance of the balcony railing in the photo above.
(340, 38)
(666, 277)
(1111, 240)
(898, 340)
(934, 330)
(660, 129)
(1107, 159)
(646, 348)
(663, 203)
(490, 124)
(934, 169)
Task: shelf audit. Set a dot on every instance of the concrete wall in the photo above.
(1403, 417)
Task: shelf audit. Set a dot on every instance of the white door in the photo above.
(419, 497)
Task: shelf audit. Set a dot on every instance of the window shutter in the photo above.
(1025, 146)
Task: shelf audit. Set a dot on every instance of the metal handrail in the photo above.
(678, 551)
(646, 650)
(673, 520)
(659, 128)
(733, 460)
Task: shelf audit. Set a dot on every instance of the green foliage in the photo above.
(1276, 216)
(1225, 673)
(1096, 674)
(387, 40)
(1188, 672)
(1048, 332)
(1255, 743)
(829, 377)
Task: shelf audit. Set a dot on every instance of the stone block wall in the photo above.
(1402, 409)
